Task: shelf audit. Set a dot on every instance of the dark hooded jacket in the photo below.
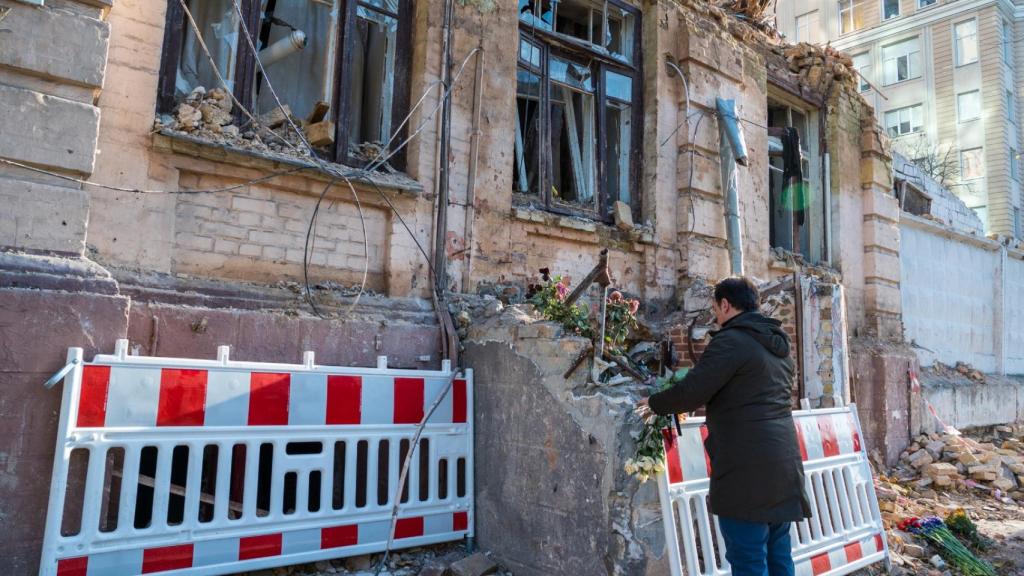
(745, 379)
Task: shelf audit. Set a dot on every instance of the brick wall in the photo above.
(261, 231)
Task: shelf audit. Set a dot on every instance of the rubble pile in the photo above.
(820, 67)
(440, 560)
(981, 473)
(208, 114)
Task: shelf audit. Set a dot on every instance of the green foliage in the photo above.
(620, 318)
(549, 299)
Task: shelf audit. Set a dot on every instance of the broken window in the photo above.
(851, 15)
(337, 64)
(972, 164)
(577, 105)
(903, 121)
(796, 194)
(901, 61)
(966, 35)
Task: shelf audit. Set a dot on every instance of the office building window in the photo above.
(890, 9)
(966, 36)
(1011, 107)
(968, 105)
(972, 164)
(807, 27)
(903, 121)
(862, 64)
(925, 3)
(901, 61)
(1014, 165)
(1007, 43)
(852, 15)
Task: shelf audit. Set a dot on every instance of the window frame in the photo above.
(960, 118)
(863, 85)
(1014, 164)
(957, 57)
(909, 110)
(981, 155)
(850, 10)
(910, 61)
(796, 29)
(922, 4)
(898, 13)
(554, 44)
(815, 212)
(176, 26)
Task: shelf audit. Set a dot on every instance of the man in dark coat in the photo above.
(745, 379)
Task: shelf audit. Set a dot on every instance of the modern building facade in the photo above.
(943, 79)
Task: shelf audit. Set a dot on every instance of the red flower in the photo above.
(634, 305)
(615, 297)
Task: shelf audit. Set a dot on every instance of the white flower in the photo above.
(630, 467)
(643, 477)
(659, 466)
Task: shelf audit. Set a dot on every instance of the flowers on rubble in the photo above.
(620, 319)
(549, 299)
(649, 459)
(950, 548)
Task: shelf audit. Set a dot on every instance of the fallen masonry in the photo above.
(980, 472)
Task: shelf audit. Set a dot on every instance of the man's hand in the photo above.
(643, 410)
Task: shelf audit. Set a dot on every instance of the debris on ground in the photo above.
(980, 472)
(440, 560)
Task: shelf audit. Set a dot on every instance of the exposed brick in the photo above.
(187, 240)
(253, 205)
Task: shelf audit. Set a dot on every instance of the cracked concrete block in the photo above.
(55, 44)
(48, 131)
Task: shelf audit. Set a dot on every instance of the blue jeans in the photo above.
(756, 549)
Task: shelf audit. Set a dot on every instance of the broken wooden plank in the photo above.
(320, 110)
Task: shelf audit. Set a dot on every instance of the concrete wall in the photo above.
(962, 297)
(967, 404)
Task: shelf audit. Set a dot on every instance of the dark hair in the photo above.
(740, 292)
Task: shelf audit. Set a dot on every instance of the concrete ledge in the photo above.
(48, 131)
(55, 44)
(964, 403)
(43, 217)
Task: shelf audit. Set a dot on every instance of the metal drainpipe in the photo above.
(474, 155)
(732, 150)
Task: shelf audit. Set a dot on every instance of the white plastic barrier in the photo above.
(845, 532)
(181, 466)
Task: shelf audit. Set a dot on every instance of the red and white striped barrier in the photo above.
(845, 532)
(183, 466)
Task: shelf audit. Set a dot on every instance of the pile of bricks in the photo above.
(959, 463)
(819, 67)
(981, 473)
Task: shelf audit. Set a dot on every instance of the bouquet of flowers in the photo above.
(650, 450)
(950, 548)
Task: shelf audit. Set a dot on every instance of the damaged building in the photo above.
(388, 178)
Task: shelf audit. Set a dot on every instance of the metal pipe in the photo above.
(283, 48)
(474, 159)
(441, 227)
(732, 150)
